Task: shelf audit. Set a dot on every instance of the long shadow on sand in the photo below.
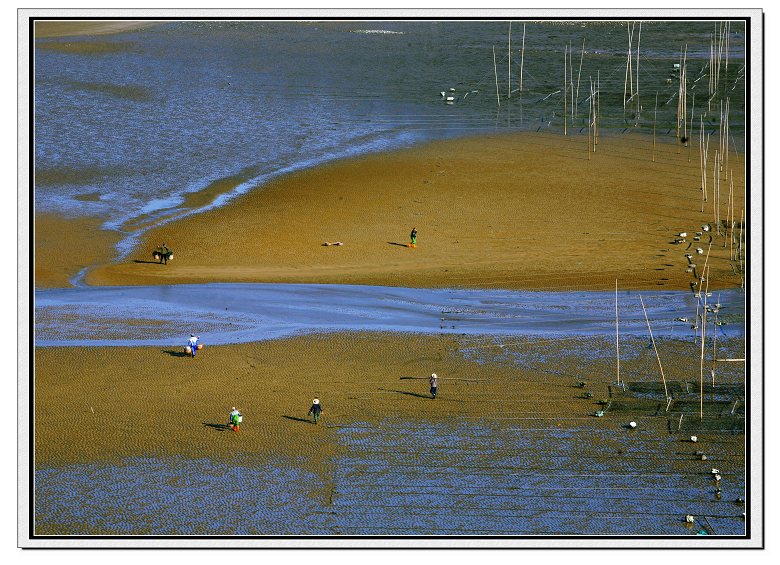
(428, 396)
(298, 419)
(218, 427)
(176, 353)
(396, 243)
(147, 262)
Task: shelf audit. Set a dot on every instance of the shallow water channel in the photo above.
(240, 313)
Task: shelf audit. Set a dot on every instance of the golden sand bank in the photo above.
(104, 404)
(63, 247)
(519, 211)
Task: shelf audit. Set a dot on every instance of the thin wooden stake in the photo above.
(693, 106)
(639, 39)
(571, 87)
(565, 84)
(715, 192)
(590, 114)
(628, 60)
(731, 197)
(509, 64)
(684, 74)
(655, 116)
(579, 73)
(714, 341)
(741, 270)
(495, 71)
(522, 59)
(597, 111)
(617, 339)
(701, 359)
(663, 378)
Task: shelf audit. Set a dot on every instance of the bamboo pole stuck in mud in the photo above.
(704, 171)
(509, 64)
(628, 61)
(701, 358)
(495, 71)
(693, 106)
(726, 147)
(701, 160)
(729, 221)
(715, 192)
(571, 87)
(728, 44)
(590, 114)
(657, 356)
(522, 60)
(731, 197)
(714, 341)
(565, 91)
(655, 117)
(639, 39)
(617, 339)
(704, 270)
(679, 101)
(684, 90)
(579, 74)
(741, 270)
(720, 54)
(597, 111)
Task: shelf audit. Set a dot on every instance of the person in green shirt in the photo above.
(234, 420)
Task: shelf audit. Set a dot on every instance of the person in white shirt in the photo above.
(192, 343)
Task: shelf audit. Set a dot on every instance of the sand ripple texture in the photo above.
(401, 477)
(240, 313)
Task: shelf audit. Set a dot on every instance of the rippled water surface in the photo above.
(129, 125)
(238, 313)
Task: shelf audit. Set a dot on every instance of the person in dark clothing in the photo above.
(315, 410)
(163, 254)
(413, 237)
(433, 381)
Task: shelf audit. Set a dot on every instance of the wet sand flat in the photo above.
(505, 211)
(64, 246)
(510, 442)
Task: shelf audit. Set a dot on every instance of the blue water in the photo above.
(240, 313)
(126, 134)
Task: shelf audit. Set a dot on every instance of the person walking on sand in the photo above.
(234, 420)
(413, 237)
(315, 410)
(433, 381)
(192, 343)
(163, 253)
